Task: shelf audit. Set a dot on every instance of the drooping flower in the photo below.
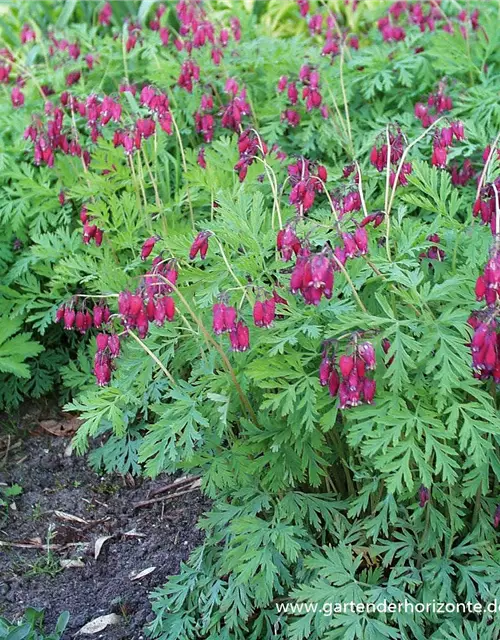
(148, 247)
(200, 245)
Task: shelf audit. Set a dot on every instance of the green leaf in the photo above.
(69, 7)
(15, 349)
(144, 8)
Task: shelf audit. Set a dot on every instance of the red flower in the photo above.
(287, 243)
(325, 369)
(218, 324)
(147, 247)
(439, 156)
(105, 14)
(17, 97)
(200, 245)
(346, 365)
(240, 337)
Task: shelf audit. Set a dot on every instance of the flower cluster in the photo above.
(443, 139)
(437, 103)
(424, 495)
(375, 218)
(333, 36)
(486, 206)
(162, 277)
(105, 14)
(348, 378)
(306, 179)
(310, 92)
(98, 112)
(249, 146)
(434, 252)
(390, 152)
(27, 34)
(150, 303)
(292, 116)
(49, 138)
(190, 72)
(225, 320)
(90, 230)
(485, 345)
(138, 309)
(390, 31)
(313, 275)
(197, 31)
(303, 7)
(17, 97)
(108, 348)
(350, 202)
(6, 58)
(426, 16)
(204, 120)
(81, 318)
(264, 312)
(488, 284)
(288, 243)
(158, 106)
(155, 25)
(200, 245)
(236, 108)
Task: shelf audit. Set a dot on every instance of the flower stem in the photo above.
(360, 188)
(388, 205)
(153, 180)
(184, 166)
(348, 278)
(344, 97)
(484, 172)
(152, 355)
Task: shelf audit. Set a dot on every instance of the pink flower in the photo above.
(147, 247)
(325, 369)
(200, 245)
(439, 156)
(17, 97)
(240, 337)
(105, 14)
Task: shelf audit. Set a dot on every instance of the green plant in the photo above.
(280, 251)
(31, 627)
(46, 564)
(6, 494)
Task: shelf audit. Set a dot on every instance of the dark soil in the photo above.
(162, 536)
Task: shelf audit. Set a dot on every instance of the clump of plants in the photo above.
(271, 239)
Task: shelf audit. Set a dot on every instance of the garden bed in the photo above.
(54, 479)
